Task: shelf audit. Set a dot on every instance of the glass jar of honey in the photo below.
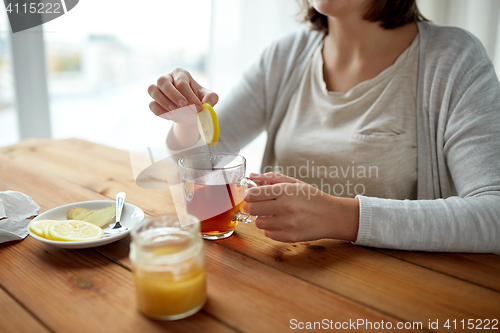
(168, 266)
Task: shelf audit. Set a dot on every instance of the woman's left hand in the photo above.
(290, 210)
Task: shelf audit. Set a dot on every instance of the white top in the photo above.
(363, 142)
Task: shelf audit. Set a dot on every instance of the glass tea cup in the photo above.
(214, 186)
(168, 265)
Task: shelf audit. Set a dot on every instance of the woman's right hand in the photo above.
(178, 89)
(174, 91)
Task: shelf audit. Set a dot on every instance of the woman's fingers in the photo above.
(262, 208)
(266, 223)
(208, 96)
(261, 193)
(272, 192)
(203, 94)
(160, 98)
(276, 228)
(184, 84)
(271, 178)
(157, 108)
(166, 85)
(179, 89)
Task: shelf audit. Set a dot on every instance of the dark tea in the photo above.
(215, 206)
(214, 185)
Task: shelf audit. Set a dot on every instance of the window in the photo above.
(480, 17)
(8, 121)
(102, 56)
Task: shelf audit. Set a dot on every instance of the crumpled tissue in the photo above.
(16, 212)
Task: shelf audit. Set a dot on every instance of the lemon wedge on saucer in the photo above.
(40, 227)
(208, 125)
(74, 231)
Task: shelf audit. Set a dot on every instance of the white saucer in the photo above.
(131, 216)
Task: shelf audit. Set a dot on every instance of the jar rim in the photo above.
(165, 225)
(184, 222)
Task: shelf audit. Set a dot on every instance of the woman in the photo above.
(376, 85)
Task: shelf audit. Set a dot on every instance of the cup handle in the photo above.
(240, 216)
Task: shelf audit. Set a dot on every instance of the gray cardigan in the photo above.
(458, 106)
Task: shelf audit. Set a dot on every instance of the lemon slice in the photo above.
(208, 125)
(39, 227)
(74, 231)
(45, 229)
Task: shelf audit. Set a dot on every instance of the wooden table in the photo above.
(254, 284)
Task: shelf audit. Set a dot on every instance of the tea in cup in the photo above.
(214, 186)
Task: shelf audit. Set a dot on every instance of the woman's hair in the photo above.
(390, 13)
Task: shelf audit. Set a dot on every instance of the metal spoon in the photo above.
(117, 228)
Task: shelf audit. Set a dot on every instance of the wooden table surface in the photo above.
(254, 284)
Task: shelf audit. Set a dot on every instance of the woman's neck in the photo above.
(356, 38)
(356, 50)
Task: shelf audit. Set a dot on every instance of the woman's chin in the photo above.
(336, 8)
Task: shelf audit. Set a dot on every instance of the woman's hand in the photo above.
(176, 90)
(293, 211)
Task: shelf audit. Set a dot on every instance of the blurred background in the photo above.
(102, 55)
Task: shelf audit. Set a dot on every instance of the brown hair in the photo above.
(390, 13)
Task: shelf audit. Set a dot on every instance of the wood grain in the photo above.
(14, 319)
(241, 289)
(392, 286)
(481, 269)
(90, 166)
(73, 290)
(346, 280)
(80, 290)
(230, 300)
